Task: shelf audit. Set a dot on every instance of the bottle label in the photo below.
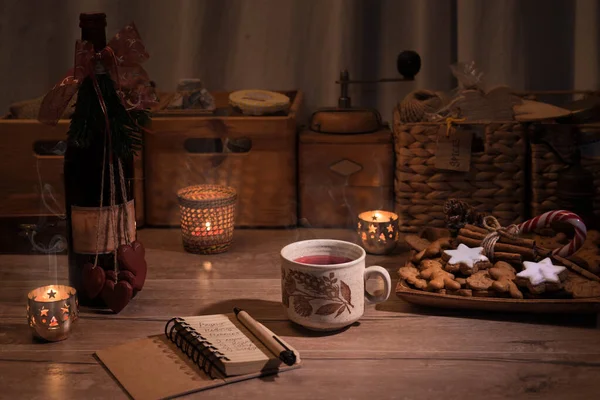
(93, 228)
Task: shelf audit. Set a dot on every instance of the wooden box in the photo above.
(341, 176)
(255, 155)
(31, 171)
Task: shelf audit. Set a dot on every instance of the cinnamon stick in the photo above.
(475, 228)
(504, 238)
(508, 257)
(526, 253)
(575, 268)
(472, 234)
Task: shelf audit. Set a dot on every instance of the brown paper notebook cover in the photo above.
(155, 368)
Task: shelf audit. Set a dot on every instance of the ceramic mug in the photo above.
(323, 283)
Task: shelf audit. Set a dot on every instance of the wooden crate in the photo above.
(341, 176)
(28, 168)
(264, 176)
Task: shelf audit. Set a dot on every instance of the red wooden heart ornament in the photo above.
(131, 258)
(92, 279)
(127, 276)
(116, 296)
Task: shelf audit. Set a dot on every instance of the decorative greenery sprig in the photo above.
(88, 118)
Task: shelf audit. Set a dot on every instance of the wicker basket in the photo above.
(495, 183)
(551, 145)
(207, 218)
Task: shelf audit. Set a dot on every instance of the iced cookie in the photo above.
(504, 275)
(540, 277)
(465, 259)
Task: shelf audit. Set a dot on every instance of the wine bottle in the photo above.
(85, 160)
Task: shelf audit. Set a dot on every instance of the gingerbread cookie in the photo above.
(416, 243)
(580, 287)
(436, 247)
(504, 275)
(417, 257)
(465, 259)
(433, 249)
(427, 264)
(410, 274)
(479, 281)
(462, 281)
(483, 293)
(461, 292)
(438, 278)
(540, 277)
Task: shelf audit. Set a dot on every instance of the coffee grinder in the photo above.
(346, 157)
(345, 119)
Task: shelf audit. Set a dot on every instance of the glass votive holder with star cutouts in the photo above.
(378, 231)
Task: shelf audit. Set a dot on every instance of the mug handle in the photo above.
(376, 270)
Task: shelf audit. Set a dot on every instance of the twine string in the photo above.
(99, 227)
(113, 210)
(124, 199)
(496, 231)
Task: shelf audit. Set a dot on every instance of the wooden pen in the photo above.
(273, 343)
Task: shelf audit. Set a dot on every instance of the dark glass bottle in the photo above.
(83, 163)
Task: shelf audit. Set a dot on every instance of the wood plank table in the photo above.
(396, 351)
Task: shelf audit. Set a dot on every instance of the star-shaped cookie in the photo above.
(466, 259)
(542, 272)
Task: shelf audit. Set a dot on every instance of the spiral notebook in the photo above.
(194, 353)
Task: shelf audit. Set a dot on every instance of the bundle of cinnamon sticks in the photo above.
(507, 248)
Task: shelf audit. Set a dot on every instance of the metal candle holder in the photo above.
(51, 311)
(378, 231)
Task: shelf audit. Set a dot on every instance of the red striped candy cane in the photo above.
(546, 219)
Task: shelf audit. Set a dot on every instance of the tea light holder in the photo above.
(207, 218)
(51, 311)
(378, 231)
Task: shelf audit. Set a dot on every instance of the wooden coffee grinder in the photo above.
(346, 157)
(345, 119)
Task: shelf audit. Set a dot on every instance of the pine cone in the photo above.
(459, 213)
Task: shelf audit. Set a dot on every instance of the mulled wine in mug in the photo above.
(323, 283)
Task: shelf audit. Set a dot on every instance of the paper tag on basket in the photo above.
(453, 150)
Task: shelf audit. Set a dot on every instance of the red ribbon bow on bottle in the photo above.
(121, 58)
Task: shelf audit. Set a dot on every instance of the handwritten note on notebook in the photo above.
(243, 351)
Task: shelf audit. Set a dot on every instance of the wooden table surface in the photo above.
(396, 351)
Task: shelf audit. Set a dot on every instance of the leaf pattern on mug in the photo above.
(328, 309)
(305, 288)
(346, 293)
(302, 306)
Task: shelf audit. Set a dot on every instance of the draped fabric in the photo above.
(303, 44)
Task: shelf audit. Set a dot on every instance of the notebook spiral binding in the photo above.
(202, 352)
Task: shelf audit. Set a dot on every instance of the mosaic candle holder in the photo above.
(207, 218)
(378, 231)
(51, 311)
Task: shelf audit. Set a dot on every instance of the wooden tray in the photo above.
(545, 306)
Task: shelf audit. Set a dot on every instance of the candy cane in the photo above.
(548, 218)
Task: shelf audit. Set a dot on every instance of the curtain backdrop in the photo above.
(303, 44)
